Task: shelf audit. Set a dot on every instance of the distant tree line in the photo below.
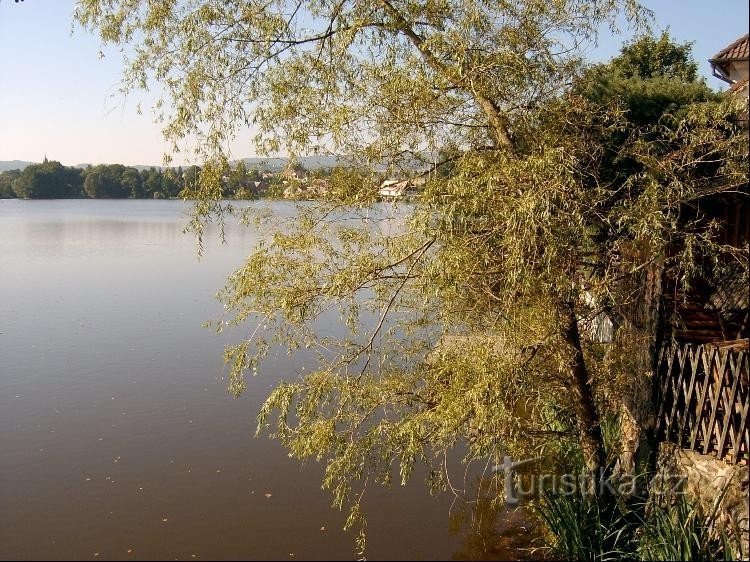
(52, 180)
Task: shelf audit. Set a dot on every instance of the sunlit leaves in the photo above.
(538, 198)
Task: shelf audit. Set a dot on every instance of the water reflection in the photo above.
(119, 439)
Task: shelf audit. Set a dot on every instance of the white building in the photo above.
(732, 63)
(392, 189)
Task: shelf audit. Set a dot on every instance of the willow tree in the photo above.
(509, 257)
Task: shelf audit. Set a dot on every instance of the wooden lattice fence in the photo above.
(703, 397)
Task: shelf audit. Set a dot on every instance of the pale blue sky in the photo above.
(56, 94)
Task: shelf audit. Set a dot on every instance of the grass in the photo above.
(679, 530)
(634, 526)
(586, 527)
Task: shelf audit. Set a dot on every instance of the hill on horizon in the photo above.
(6, 165)
(309, 162)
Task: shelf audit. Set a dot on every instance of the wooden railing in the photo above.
(703, 397)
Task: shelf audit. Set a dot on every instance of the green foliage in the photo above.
(170, 184)
(653, 81)
(318, 74)
(466, 318)
(190, 177)
(106, 182)
(48, 180)
(132, 183)
(677, 529)
(6, 183)
(608, 527)
(650, 77)
(618, 524)
(151, 180)
(352, 186)
(53, 180)
(587, 527)
(649, 57)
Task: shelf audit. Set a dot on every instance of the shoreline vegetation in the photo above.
(572, 212)
(52, 180)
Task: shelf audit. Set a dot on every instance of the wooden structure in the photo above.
(709, 311)
(704, 398)
(702, 390)
(394, 189)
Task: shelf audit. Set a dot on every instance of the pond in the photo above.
(118, 437)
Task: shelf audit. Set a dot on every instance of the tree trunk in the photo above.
(643, 324)
(587, 414)
(495, 119)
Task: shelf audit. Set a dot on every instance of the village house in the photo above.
(394, 189)
(732, 65)
(702, 387)
(291, 173)
(720, 313)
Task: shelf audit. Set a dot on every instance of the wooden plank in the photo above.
(704, 419)
(739, 413)
(704, 416)
(688, 397)
(729, 403)
(736, 345)
(664, 373)
(714, 405)
(683, 355)
(743, 430)
(699, 412)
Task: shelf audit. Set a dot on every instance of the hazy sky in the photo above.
(56, 93)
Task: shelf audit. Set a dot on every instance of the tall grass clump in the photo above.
(678, 529)
(587, 527)
(582, 526)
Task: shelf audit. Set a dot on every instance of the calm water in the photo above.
(118, 437)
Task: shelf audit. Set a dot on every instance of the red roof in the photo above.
(738, 50)
(740, 86)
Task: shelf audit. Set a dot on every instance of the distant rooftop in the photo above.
(730, 64)
(738, 50)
